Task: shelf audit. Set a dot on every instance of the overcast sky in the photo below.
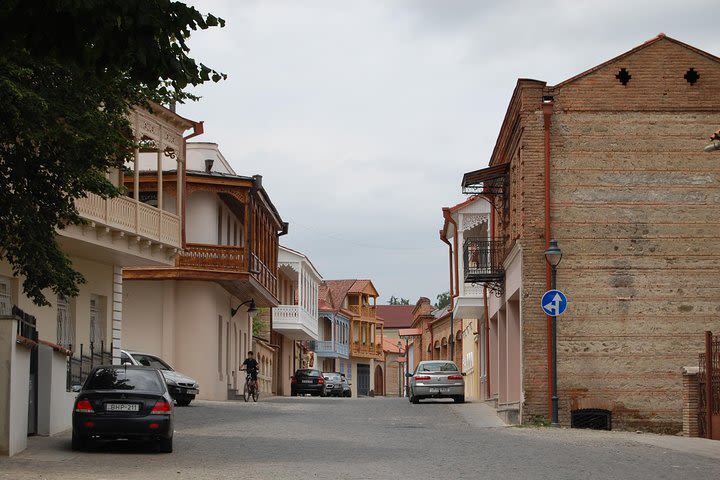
(362, 116)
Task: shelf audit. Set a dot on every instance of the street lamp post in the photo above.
(553, 256)
(400, 368)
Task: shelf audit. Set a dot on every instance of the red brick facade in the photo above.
(635, 207)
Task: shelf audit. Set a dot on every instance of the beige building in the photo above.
(466, 232)
(88, 329)
(194, 314)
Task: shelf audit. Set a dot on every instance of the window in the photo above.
(65, 323)
(6, 302)
(119, 378)
(97, 320)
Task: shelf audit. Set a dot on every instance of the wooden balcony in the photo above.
(364, 311)
(125, 215)
(366, 350)
(213, 257)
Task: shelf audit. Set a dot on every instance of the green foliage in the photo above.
(258, 325)
(398, 301)
(443, 300)
(70, 70)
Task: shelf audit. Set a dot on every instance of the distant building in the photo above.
(395, 317)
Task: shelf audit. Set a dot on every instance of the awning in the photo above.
(490, 180)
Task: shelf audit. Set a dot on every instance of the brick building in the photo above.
(610, 164)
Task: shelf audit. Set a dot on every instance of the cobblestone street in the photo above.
(382, 438)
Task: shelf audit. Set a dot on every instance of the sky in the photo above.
(362, 116)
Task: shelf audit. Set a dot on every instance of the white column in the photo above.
(117, 314)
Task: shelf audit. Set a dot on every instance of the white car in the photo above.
(181, 387)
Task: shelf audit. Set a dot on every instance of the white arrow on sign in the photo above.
(553, 305)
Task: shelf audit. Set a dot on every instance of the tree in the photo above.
(398, 301)
(70, 71)
(443, 300)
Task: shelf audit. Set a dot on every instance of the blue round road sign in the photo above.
(554, 303)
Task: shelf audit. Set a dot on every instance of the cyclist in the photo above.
(250, 365)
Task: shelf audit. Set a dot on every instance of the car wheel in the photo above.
(183, 402)
(460, 399)
(78, 443)
(165, 445)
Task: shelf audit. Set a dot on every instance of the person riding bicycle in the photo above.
(250, 365)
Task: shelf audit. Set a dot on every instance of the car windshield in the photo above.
(150, 361)
(125, 379)
(437, 367)
(308, 373)
(332, 377)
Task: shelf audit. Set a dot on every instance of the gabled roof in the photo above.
(396, 316)
(642, 46)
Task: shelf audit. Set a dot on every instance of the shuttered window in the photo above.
(97, 320)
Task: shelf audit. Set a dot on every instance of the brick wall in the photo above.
(691, 427)
(635, 208)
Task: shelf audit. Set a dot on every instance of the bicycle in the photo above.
(251, 389)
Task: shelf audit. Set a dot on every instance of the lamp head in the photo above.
(553, 254)
(252, 308)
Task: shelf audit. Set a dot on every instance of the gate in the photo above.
(709, 386)
(27, 328)
(363, 373)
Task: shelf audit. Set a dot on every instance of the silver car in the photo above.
(437, 379)
(181, 387)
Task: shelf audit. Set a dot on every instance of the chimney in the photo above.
(208, 164)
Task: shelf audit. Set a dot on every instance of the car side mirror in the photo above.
(408, 375)
(464, 374)
(76, 388)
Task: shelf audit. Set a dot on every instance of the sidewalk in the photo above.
(480, 415)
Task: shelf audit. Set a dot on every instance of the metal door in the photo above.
(363, 380)
(33, 396)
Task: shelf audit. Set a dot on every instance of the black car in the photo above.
(333, 384)
(307, 380)
(347, 391)
(122, 402)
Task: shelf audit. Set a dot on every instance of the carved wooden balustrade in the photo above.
(213, 257)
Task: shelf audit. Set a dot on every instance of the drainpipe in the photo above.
(487, 344)
(547, 107)
(198, 129)
(456, 293)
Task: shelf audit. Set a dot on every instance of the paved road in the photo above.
(368, 438)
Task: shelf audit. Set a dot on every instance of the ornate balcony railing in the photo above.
(483, 261)
(127, 215)
(263, 274)
(328, 348)
(364, 311)
(295, 321)
(367, 350)
(212, 257)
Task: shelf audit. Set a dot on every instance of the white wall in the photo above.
(201, 218)
(14, 389)
(55, 403)
(143, 316)
(198, 152)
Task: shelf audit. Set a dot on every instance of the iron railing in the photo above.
(27, 324)
(709, 387)
(78, 367)
(483, 260)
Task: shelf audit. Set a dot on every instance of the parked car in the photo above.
(333, 384)
(347, 391)
(307, 380)
(123, 402)
(437, 379)
(182, 388)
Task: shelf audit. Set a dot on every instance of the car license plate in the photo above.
(439, 390)
(191, 391)
(122, 407)
(307, 381)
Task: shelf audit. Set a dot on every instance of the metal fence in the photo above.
(27, 324)
(78, 367)
(709, 388)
